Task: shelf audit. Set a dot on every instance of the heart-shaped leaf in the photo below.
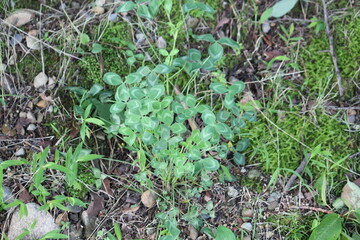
(112, 79)
(126, 7)
(218, 87)
(216, 51)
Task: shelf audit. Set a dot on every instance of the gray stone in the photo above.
(266, 27)
(75, 233)
(247, 226)
(31, 127)
(113, 17)
(20, 152)
(273, 205)
(253, 174)
(7, 195)
(161, 43)
(232, 192)
(274, 197)
(44, 223)
(192, 22)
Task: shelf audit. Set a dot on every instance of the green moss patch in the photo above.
(318, 65)
(280, 147)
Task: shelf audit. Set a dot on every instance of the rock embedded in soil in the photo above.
(31, 127)
(32, 42)
(193, 233)
(192, 22)
(40, 80)
(232, 192)
(20, 152)
(253, 174)
(247, 213)
(44, 223)
(20, 17)
(7, 194)
(247, 226)
(161, 43)
(273, 200)
(89, 224)
(148, 198)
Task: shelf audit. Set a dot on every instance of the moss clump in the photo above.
(85, 176)
(31, 65)
(276, 149)
(294, 226)
(115, 37)
(318, 62)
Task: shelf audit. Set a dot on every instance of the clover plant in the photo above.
(178, 137)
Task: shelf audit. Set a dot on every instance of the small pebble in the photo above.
(2, 67)
(99, 3)
(266, 27)
(98, 10)
(113, 17)
(274, 196)
(20, 152)
(253, 174)
(31, 117)
(247, 213)
(16, 39)
(75, 5)
(232, 192)
(7, 195)
(247, 226)
(31, 127)
(22, 114)
(161, 43)
(192, 22)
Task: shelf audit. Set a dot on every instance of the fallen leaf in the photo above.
(42, 104)
(8, 131)
(20, 124)
(148, 198)
(130, 209)
(52, 82)
(106, 187)
(272, 54)
(24, 195)
(351, 195)
(40, 80)
(46, 98)
(32, 42)
(20, 17)
(224, 20)
(62, 217)
(95, 206)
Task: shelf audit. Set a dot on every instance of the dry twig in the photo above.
(332, 50)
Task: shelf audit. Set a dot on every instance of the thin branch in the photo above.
(299, 170)
(332, 50)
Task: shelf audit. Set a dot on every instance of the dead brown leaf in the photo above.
(351, 195)
(43, 104)
(95, 206)
(129, 210)
(272, 54)
(106, 187)
(20, 124)
(24, 195)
